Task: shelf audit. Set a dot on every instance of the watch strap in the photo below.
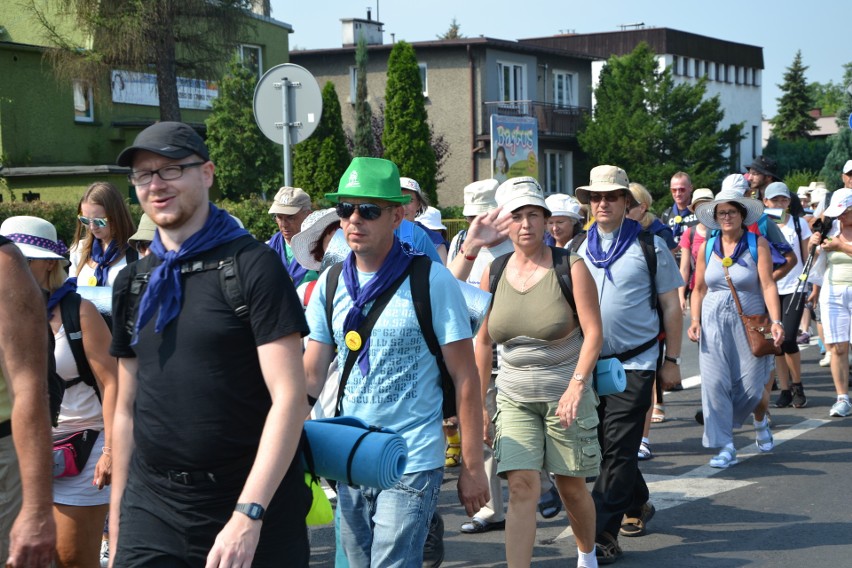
(253, 511)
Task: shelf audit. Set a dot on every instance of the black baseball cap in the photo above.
(174, 140)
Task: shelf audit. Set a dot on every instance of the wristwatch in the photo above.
(580, 378)
(675, 360)
(253, 511)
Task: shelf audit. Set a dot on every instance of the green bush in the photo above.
(253, 212)
(796, 178)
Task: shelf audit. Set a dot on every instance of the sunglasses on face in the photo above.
(609, 197)
(97, 222)
(367, 211)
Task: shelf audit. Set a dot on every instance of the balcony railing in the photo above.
(553, 120)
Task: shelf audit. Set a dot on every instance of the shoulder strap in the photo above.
(498, 265)
(229, 277)
(578, 241)
(332, 276)
(649, 251)
(562, 266)
(365, 330)
(460, 237)
(69, 309)
(420, 267)
(131, 254)
(140, 273)
(752, 244)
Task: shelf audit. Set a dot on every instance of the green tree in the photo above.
(365, 142)
(828, 97)
(247, 162)
(189, 38)
(407, 135)
(651, 127)
(793, 120)
(319, 161)
(453, 32)
(841, 143)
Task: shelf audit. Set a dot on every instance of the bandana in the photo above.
(395, 264)
(67, 287)
(626, 235)
(104, 259)
(742, 246)
(297, 271)
(164, 290)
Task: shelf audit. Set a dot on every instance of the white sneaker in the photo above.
(104, 553)
(841, 408)
(825, 361)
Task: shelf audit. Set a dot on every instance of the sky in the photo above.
(780, 28)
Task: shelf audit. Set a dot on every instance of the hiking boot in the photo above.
(784, 400)
(803, 338)
(433, 549)
(799, 399)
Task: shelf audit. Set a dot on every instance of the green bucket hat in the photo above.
(370, 178)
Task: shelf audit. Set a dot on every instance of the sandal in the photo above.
(477, 525)
(763, 437)
(645, 451)
(659, 414)
(607, 550)
(550, 504)
(453, 456)
(726, 458)
(636, 526)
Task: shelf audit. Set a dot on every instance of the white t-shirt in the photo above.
(787, 284)
(87, 273)
(81, 409)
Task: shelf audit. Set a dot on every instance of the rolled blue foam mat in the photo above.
(378, 455)
(610, 377)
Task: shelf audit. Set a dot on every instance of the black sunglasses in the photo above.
(367, 211)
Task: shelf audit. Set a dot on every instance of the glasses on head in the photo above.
(367, 211)
(166, 173)
(727, 214)
(609, 197)
(97, 222)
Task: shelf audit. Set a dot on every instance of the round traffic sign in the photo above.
(304, 102)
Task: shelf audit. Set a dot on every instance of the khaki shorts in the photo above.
(530, 437)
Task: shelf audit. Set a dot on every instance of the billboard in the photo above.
(514, 147)
(133, 88)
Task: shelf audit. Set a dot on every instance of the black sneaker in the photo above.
(784, 400)
(799, 398)
(433, 549)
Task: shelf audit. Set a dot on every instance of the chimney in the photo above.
(261, 7)
(369, 13)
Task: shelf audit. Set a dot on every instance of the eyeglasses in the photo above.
(609, 197)
(727, 214)
(679, 189)
(166, 173)
(98, 222)
(367, 211)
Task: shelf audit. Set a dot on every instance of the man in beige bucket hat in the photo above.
(290, 208)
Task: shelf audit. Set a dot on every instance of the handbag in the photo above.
(757, 327)
(71, 453)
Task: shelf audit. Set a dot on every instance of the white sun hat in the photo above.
(35, 237)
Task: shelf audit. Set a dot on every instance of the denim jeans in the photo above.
(387, 528)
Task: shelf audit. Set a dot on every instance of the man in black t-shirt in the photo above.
(210, 405)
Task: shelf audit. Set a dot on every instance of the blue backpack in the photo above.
(711, 242)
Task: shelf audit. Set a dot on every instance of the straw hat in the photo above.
(706, 212)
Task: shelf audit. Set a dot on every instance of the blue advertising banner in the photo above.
(514, 147)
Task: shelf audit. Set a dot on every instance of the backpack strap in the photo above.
(711, 242)
(69, 308)
(649, 251)
(332, 276)
(562, 266)
(577, 241)
(462, 235)
(498, 265)
(420, 267)
(365, 329)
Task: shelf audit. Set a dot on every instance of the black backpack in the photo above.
(419, 280)
(229, 279)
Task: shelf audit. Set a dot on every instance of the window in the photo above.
(564, 88)
(697, 68)
(675, 64)
(716, 72)
(686, 67)
(423, 79)
(353, 83)
(512, 81)
(250, 57)
(707, 65)
(558, 174)
(756, 78)
(83, 102)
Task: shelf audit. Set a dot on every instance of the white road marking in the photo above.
(670, 491)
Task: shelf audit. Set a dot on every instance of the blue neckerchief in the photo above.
(104, 259)
(296, 271)
(677, 228)
(742, 246)
(549, 240)
(626, 235)
(663, 231)
(67, 287)
(395, 264)
(164, 290)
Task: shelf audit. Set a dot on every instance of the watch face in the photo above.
(253, 511)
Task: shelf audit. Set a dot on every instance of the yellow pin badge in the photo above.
(727, 261)
(678, 219)
(353, 340)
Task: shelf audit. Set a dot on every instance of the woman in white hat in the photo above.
(733, 380)
(833, 287)
(310, 243)
(565, 219)
(416, 207)
(81, 501)
(546, 412)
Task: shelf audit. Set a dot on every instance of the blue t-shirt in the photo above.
(416, 236)
(403, 389)
(626, 314)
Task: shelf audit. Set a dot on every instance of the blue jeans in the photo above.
(387, 528)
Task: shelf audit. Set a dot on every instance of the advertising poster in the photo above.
(514, 147)
(141, 89)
